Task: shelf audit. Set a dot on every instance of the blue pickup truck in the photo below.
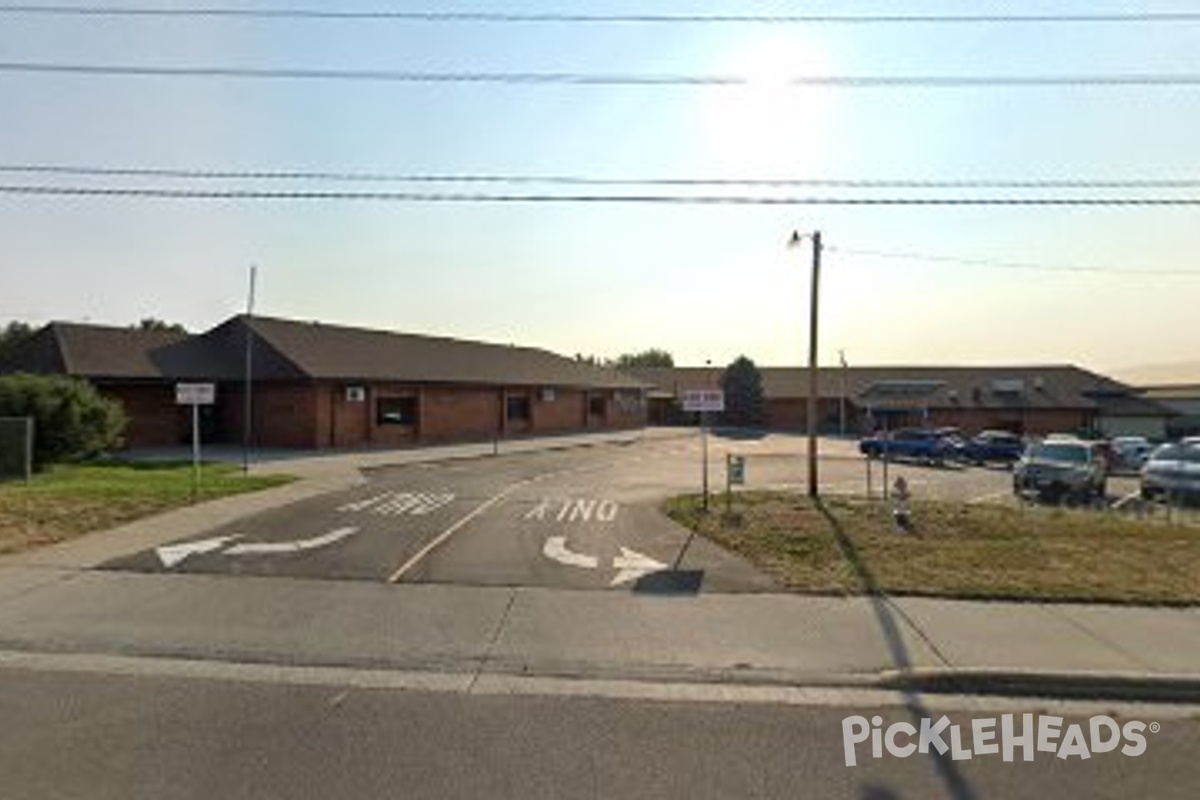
(912, 444)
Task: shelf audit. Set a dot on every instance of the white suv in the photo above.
(1062, 469)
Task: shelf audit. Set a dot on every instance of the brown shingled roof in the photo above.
(335, 352)
(290, 350)
(1052, 386)
(91, 351)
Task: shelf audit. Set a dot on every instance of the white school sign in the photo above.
(703, 400)
(195, 394)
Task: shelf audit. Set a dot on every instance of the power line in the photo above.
(602, 79)
(660, 199)
(503, 17)
(1012, 265)
(582, 180)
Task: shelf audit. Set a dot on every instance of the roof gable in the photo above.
(92, 351)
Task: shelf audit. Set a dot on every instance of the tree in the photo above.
(653, 357)
(744, 398)
(71, 419)
(11, 337)
(152, 324)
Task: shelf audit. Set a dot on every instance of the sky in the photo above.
(706, 282)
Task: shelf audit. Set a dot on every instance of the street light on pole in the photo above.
(811, 415)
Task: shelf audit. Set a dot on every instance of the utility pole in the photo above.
(813, 490)
(813, 405)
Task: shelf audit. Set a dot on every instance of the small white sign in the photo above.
(195, 394)
(737, 471)
(704, 400)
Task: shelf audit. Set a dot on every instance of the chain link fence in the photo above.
(16, 448)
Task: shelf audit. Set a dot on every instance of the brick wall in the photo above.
(285, 415)
(564, 413)
(791, 413)
(454, 413)
(154, 419)
(1035, 421)
(342, 421)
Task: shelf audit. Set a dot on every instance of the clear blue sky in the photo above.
(704, 282)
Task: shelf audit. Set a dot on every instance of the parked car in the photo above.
(1062, 469)
(911, 444)
(1131, 452)
(1173, 471)
(992, 447)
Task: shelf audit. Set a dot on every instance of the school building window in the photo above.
(516, 408)
(396, 411)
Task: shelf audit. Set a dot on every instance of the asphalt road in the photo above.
(101, 736)
(585, 518)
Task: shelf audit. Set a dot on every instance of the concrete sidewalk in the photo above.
(704, 639)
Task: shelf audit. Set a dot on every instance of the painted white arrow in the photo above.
(556, 548)
(633, 565)
(173, 554)
(272, 548)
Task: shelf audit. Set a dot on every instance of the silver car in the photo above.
(1131, 452)
(1173, 471)
(1062, 469)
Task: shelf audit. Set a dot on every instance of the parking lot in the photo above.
(583, 518)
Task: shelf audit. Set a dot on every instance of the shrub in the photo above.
(71, 419)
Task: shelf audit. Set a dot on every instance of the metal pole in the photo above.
(704, 456)
(813, 489)
(28, 449)
(842, 396)
(248, 409)
(728, 484)
(195, 451)
(886, 442)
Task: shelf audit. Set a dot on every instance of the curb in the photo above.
(1072, 685)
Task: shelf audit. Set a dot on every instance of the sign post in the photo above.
(704, 401)
(735, 475)
(195, 395)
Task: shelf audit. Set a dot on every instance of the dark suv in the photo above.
(993, 446)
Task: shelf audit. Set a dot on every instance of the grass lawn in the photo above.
(68, 500)
(852, 546)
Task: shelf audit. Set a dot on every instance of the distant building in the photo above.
(1023, 399)
(316, 385)
(1183, 400)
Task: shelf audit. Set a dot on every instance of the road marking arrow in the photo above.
(173, 554)
(272, 548)
(633, 565)
(556, 548)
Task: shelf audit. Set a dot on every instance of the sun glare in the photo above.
(768, 126)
